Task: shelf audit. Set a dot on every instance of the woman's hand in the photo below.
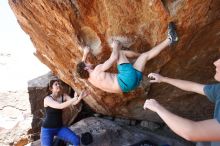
(83, 94)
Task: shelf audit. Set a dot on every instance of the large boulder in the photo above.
(38, 89)
(57, 28)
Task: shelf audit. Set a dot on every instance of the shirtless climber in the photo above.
(129, 76)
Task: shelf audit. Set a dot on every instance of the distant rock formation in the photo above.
(57, 28)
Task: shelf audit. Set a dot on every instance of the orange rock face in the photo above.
(57, 28)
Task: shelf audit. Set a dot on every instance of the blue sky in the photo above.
(17, 62)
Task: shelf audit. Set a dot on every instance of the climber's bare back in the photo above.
(104, 81)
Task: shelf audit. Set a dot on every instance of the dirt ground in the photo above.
(15, 117)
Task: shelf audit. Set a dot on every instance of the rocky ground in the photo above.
(15, 117)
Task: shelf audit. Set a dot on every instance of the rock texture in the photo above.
(38, 89)
(109, 133)
(57, 28)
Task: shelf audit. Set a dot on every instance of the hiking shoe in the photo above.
(172, 35)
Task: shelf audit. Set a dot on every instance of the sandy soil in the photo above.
(15, 117)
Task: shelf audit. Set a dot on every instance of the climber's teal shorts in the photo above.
(128, 77)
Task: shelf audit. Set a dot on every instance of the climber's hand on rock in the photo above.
(155, 78)
(86, 49)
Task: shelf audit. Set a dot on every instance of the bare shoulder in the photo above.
(66, 97)
(97, 73)
(98, 67)
(97, 70)
(47, 100)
